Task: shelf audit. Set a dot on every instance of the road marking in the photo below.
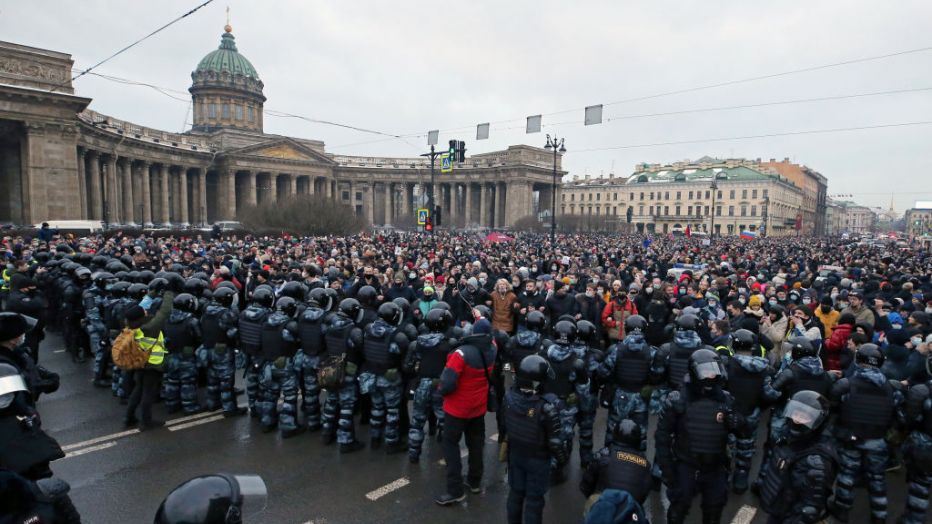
(90, 449)
(494, 437)
(191, 424)
(376, 494)
(745, 515)
(100, 439)
(195, 416)
(58, 351)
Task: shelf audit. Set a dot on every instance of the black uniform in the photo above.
(218, 340)
(343, 341)
(250, 346)
(311, 324)
(179, 385)
(280, 343)
(618, 467)
(917, 452)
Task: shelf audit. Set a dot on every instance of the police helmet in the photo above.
(11, 382)
(743, 340)
(228, 284)
(115, 265)
(535, 321)
(331, 297)
(687, 322)
(366, 296)
(586, 331)
(287, 305)
(801, 347)
(319, 298)
(635, 323)
(196, 287)
(390, 312)
(438, 320)
(564, 332)
(627, 433)
(185, 302)
(119, 289)
(175, 282)
(295, 290)
(102, 279)
(210, 499)
(132, 276)
(705, 368)
(263, 296)
(805, 413)
(869, 355)
(532, 370)
(126, 260)
(137, 291)
(82, 273)
(224, 296)
(99, 261)
(158, 285)
(145, 276)
(352, 309)
(404, 305)
(440, 304)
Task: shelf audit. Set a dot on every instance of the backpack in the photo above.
(616, 507)
(127, 353)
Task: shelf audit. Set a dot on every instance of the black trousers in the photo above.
(145, 392)
(454, 429)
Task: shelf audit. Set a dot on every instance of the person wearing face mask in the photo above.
(615, 313)
(827, 315)
(774, 326)
(591, 306)
(400, 289)
(902, 360)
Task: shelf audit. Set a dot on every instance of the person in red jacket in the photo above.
(465, 388)
(615, 313)
(834, 346)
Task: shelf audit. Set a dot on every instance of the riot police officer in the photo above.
(676, 353)
(311, 322)
(692, 439)
(868, 404)
(74, 283)
(182, 338)
(279, 345)
(532, 428)
(621, 464)
(95, 298)
(218, 336)
(528, 341)
(587, 393)
(338, 370)
(628, 368)
(804, 372)
(569, 370)
(209, 499)
(917, 450)
(250, 341)
(114, 320)
(749, 373)
(384, 347)
(426, 358)
(799, 473)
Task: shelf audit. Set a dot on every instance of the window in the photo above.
(744, 194)
(677, 195)
(251, 114)
(590, 210)
(666, 210)
(754, 193)
(706, 210)
(598, 197)
(615, 210)
(731, 211)
(239, 112)
(677, 210)
(631, 196)
(651, 195)
(211, 110)
(641, 210)
(359, 195)
(596, 210)
(590, 197)
(744, 211)
(689, 210)
(563, 210)
(666, 195)
(720, 194)
(718, 210)
(345, 195)
(753, 211)
(690, 195)
(226, 111)
(615, 197)
(651, 210)
(765, 193)
(573, 197)
(563, 197)
(707, 193)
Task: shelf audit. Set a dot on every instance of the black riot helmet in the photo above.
(705, 368)
(185, 302)
(687, 322)
(115, 265)
(11, 382)
(132, 276)
(103, 278)
(98, 262)
(366, 296)
(137, 291)
(295, 290)
(214, 499)
(532, 371)
(196, 287)
(390, 312)
(440, 304)
(228, 284)
(331, 298)
(145, 276)
(627, 433)
(318, 297)
(801, 347)
(263, 296)
(535, 321)
(586, 332)
(83, 274)
(438, 320)
(805, 413)
(352, 309)
(564, 333)
(175, 282)
(869, 356)
(635, 324)
(119, 289)
(287, 305)
(744, 340)
(224, 296)
(404, 305)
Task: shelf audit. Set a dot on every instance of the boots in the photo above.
(739, 482)
(712, 515)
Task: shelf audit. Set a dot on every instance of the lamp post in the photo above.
(557, 145)
(714, 188)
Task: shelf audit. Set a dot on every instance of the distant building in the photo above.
(919, 219)
(849, 217)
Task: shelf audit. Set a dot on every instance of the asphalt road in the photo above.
(120, 476)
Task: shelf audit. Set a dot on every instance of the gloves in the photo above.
(392, 375)
(201, 354)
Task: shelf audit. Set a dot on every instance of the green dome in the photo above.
(226, 58)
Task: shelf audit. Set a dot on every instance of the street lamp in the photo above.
(714, 188)
(557, 145)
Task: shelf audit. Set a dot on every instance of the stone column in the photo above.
(389, 210)
(145, 182)
(273, 184)
(454, 204)
(82, 183)
(251, 198)
(352, 196)
(292, 185)
(111, 190)
(183, 195)
(96, 209)
(467, 212)
(201, 195)
(311, 182)
(127, 172)
(227, 207)
(370, 204)
(500, 204)
(483, 206)
(164, 207)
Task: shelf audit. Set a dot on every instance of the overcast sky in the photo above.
(406, 67)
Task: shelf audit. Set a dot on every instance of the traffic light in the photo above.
(429, 226)
(437, 210)
(452, 149)
(461, 151)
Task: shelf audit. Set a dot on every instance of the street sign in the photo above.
(446, 163)
(422, 215)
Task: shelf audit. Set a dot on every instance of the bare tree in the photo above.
(303, 215)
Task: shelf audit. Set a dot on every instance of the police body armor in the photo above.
(562, 384)
(250, 329)
(311, 331)
(274, 344)
(212, 333)
(625, 471)
(178, 337)
(679, 364)
(802, 381)
(927, 418)
(526, 343)
(338, 332)
(777, 493)
(702, 433)
(523, 420)
(375, 347)
(745, 386)
(434, 348)
(868, 411)
(632, 367)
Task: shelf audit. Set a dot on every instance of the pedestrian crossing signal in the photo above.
(429, 225)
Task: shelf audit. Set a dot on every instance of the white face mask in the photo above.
(412, 276)
(772, 302)
(929, 310)
(916, 341)
(807, 300)
(833, 295)
(590, 293)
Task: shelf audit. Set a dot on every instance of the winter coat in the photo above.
(614, 316)
(503, 318)
(829, 320)
(835, 346)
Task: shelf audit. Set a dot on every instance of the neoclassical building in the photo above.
(60, 160)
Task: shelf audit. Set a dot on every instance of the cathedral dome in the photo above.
(227, 59)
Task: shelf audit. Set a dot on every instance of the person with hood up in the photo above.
(827, 315)
(902, 361)
(837, 343)
(774, 326)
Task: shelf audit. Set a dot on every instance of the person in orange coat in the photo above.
(615, 314)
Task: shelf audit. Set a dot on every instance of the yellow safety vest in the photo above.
(6, 280)
(155, 346)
